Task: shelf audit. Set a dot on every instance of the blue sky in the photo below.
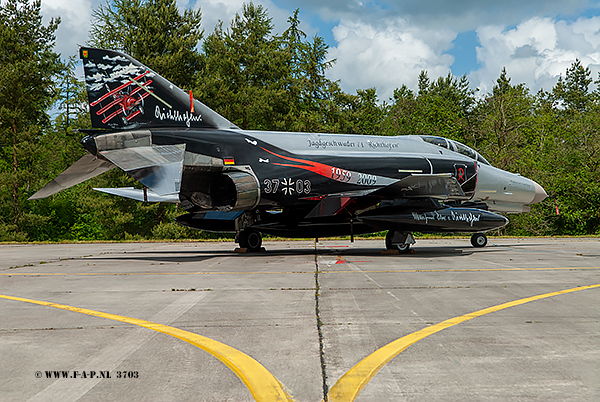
(386, 43)
(465, 53)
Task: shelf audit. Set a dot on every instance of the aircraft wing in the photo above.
(440, 186)
(332, 204)
(156, 167)
(85, 168)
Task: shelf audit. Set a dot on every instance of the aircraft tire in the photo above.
(479, 240)
(250, 239)
(403, 248)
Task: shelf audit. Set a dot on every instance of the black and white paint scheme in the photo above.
(282, 183)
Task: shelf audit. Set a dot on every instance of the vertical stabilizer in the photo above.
(125, 94)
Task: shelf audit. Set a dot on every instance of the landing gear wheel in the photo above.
(401, 247)
(479, 240)
(250, 239)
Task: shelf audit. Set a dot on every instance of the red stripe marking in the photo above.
(118, 100)
(114, 114)
(117, 89)
(315, 167)
(132, 115)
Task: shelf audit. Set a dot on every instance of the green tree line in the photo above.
(264, 80)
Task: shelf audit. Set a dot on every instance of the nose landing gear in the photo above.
(479, 240)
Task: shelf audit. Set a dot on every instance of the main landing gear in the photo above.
(250, 239)
(400, 241)
(479, 240)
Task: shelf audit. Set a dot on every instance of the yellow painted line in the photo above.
(148, 273)
(260, 382)
(350, 384)
(403, 271)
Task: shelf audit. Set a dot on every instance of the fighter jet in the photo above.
(298, 185)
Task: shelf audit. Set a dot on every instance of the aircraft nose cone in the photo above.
(540, 194)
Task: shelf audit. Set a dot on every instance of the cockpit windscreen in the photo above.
(456, 147)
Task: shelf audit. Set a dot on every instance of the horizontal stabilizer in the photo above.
(442, 186)
(85, 168)
(137, 194)
(157, 167)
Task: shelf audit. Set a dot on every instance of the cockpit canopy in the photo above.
(455, 146)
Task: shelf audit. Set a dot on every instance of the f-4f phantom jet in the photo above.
(285, 184)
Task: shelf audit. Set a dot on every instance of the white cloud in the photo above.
(388, 55)
(225, 10)
(377, 48)
(76, 18)
(74, 26)
(215, 10)
(459, 15)
(537, 51)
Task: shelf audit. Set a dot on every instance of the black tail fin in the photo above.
(125, 94)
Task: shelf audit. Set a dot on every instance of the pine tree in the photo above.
(247, 71)
(28, 71)
(506, 124)
(153, 32)
(573, 91)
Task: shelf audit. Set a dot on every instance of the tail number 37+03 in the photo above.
(288, 186)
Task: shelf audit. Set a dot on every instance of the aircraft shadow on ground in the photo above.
(187, 256)
(517, 245)
(159, 256)
(416, 252)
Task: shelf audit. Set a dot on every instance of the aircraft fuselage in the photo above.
(304, 184)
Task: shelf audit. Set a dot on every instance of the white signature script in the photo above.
(454, 216)
(176, 115)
